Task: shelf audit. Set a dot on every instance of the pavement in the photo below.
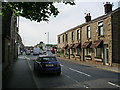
(19, 76)
(99, 66)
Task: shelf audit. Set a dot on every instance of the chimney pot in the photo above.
(108, 7)
(88, 17)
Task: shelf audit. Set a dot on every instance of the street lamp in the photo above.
(47, 37)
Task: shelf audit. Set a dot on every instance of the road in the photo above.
(73, 76)
(76, 76)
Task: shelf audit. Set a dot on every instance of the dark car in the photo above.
(47, 64)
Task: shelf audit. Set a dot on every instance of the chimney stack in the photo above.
(88, 17)
(108, 7)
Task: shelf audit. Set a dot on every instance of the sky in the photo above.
(70, 16)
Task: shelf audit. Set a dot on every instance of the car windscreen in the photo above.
(47, 59)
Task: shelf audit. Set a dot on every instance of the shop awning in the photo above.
(86, 44)
(66, 46)
(71, 46)
(97, 43)
(77, 45)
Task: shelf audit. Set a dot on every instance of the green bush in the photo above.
(99, 57)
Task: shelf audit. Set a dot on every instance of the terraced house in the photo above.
(95, 41)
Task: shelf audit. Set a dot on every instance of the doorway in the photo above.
(106, 50)
(83, 54)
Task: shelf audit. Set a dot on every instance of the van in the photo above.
(36, 51)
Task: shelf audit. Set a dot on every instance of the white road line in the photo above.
(61, 65)
(113, 84)
(33, 74)
(75, 81)
(72, 79)
(80, 72)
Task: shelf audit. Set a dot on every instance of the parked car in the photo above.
(47, 64)
(28, 52)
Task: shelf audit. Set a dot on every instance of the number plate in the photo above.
(47, 65)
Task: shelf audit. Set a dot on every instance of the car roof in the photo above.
(41, 56)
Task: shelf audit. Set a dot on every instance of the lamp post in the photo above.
(47, 37)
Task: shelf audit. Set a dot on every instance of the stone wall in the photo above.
(116, 37)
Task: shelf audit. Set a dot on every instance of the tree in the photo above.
(37, 11)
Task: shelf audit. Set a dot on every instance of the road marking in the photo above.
(72, 79)
(61, 65)
(76, 81)
(80, 72)
(33, 74)
(27, 58)
(113, 84)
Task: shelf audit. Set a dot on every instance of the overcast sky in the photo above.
(70, 16)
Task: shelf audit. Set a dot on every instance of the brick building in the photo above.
(95, 41)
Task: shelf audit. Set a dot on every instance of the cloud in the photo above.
(69, 17)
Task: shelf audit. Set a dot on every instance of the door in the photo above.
(106, 50)
(83, 54)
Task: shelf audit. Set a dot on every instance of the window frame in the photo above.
(88, 32)
(78, 34)
(59, 39)
(100, 29)
(88, 51)
(78, 51)
(66, 37)
(99, 50)
(63, 38)
(73, 36)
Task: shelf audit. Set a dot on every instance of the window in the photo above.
(78, 51)
(46, 59)
(58, 39)
(100, 29)
(73, 50)
(72, 36)
(66, 37)
(78, 34)
(88, 32)
(63, 38)
(99, 52)
(88, 51)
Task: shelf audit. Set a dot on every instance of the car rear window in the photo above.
(47, 59)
